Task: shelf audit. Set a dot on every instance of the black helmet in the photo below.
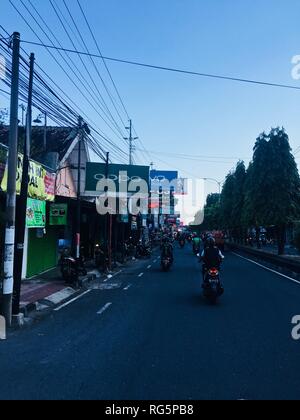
(211, 242)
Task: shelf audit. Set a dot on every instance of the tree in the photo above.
(273, 185)
(238, 199)
(212, 213)
(227, 203)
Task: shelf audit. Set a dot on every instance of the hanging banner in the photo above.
(36, 214)
(41, 184)
(58, 215)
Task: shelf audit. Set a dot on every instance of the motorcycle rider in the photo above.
(196, 244)
(167, 249)
(212, 257)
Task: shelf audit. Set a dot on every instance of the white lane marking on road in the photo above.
(102, 310)
(141, 275)
(111, 276)
(127, 287)
(149, 266)
(72, 301)
(268, 269)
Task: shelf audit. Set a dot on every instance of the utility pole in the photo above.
(8, 281)
(22, 207)
(78, 220)
(45, 131)
(130, 140)
(130, 145)
(107, 227)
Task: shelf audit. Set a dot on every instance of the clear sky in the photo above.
(181, 114)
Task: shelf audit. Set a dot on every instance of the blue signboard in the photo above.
(163, 175)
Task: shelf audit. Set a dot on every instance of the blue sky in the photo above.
(184, 114)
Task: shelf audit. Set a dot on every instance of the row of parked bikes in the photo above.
(73, 269)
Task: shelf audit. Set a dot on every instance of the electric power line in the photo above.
(92, 61)
(170, 69)
(79, 79)
(97, 131)
(223, 159)
(104, 62)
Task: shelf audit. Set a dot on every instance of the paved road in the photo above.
(159, 339)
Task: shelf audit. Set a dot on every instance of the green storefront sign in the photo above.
(36, 214)
(95, 172)
(58, 215)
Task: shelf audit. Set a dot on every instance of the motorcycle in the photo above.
(130, 249)
(182, 243)
(101, 259)
(166, 263)
(196, 249)
(143, 251)
(71, 269)
(212, 288)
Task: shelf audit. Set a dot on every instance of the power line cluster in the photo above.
(93, 89)
(104, 99)
(170, 69)
(198, 158)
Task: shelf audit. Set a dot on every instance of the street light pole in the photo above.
(215, 180)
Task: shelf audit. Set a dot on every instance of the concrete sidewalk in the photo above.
(44, 292)
(49, 289)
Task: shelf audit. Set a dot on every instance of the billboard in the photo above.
(121, 175)
(161, 176)
(168, 181)
(41, 184)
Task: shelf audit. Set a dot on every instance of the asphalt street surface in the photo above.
(151, 335)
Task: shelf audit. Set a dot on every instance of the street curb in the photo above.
(48, 304)
(281, 264)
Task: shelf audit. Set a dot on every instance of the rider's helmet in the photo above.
(211, 242)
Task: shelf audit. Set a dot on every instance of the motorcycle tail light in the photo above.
(213, 272)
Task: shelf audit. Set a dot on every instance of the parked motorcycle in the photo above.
(130, 248)
(212, 288)
(143, 250)
(71, 269)
(101, 259)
